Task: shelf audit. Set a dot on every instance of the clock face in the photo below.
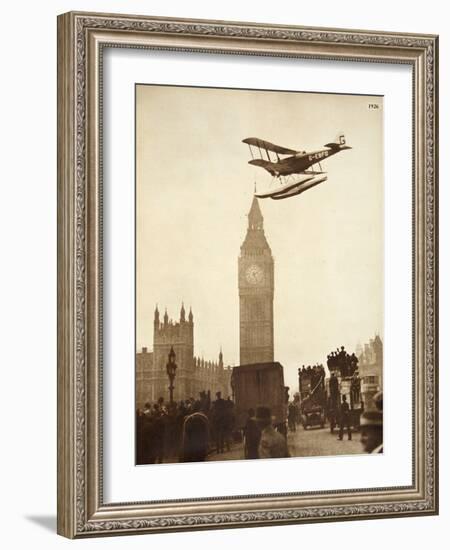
(254, 274)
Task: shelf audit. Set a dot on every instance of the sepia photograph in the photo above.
(259, 274)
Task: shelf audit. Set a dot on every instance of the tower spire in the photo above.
(255, 238)
(182, 313)
(255, 217)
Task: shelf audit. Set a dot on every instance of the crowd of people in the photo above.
(186, 430)
(315, 373)
(192, 429)
(342, 361)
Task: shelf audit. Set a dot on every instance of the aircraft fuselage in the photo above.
(302, 161)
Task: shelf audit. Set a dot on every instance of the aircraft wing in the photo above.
(261, 162)
(262, 144)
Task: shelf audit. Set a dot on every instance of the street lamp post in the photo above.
(171, 369)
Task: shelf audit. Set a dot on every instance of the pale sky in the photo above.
(194, 188)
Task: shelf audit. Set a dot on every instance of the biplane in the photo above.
(292, 171)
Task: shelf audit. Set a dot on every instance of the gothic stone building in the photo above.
(193, 374)
(370, 367)
(256, 290)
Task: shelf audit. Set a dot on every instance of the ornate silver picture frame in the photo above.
(83, 39)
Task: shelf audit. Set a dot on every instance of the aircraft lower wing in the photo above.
(261, 162)
(269, 166)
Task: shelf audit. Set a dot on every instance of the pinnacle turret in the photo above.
(255, 240)
(255, 217)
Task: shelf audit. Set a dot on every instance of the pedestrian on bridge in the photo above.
(252, 435)
(372, 426)
(344, 419)
(272, 444)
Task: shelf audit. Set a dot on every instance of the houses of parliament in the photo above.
(256, 334)
(193, 374)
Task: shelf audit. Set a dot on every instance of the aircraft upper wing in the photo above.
(262, 144)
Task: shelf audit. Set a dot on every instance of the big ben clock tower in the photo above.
(256, 287)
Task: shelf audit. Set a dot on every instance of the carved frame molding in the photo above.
(81, 39)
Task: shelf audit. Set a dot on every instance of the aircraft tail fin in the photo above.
(338, 143)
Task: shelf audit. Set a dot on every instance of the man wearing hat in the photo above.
(344, 419)
(372, 426)
(272, 444)
(195, 436)
(219, 421)
(252, 434)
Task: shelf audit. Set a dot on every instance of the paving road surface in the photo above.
(311, 442)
